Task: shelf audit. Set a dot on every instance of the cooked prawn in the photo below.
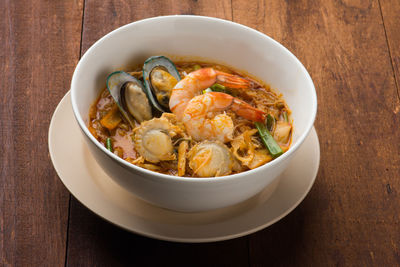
(203, 122)
(201, 114)
(196, 81)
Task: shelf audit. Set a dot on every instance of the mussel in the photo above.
(160, 76)
(135, 100)
(130, 96)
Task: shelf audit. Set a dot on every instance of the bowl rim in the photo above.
(157, 175)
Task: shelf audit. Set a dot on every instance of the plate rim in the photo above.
(66, 99)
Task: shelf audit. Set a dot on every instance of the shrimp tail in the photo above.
(222, 101)
(247, 111)
(233, 81)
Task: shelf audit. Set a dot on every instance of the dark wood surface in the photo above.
(351, 217)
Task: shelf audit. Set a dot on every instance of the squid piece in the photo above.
(282, 132)
(243, 147)
(260, 158)
(182, 150)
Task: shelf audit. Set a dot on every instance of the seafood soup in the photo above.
(191, 119)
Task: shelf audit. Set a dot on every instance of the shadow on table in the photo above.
(93, 241)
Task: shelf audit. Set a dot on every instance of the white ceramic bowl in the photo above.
(218, 40)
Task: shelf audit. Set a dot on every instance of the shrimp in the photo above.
(199, 113)
(203, 122)
(198, 80)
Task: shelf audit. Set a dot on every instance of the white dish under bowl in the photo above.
(185, 37)
(86, 180)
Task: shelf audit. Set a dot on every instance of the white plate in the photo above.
(85, 179)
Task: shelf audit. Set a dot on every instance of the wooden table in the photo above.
(351, 216)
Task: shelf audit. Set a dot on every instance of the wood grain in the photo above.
(39, 47)
(119, 13)
(351, 217)
(390, 10)
(94, 242)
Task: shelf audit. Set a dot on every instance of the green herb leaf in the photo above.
(268, 140)
(109, 144)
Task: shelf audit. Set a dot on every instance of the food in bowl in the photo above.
(235, 45)
(193, 119)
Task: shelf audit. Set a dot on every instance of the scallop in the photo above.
(130, 96)
(153, 140)
(160, 77)
(210, 158)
